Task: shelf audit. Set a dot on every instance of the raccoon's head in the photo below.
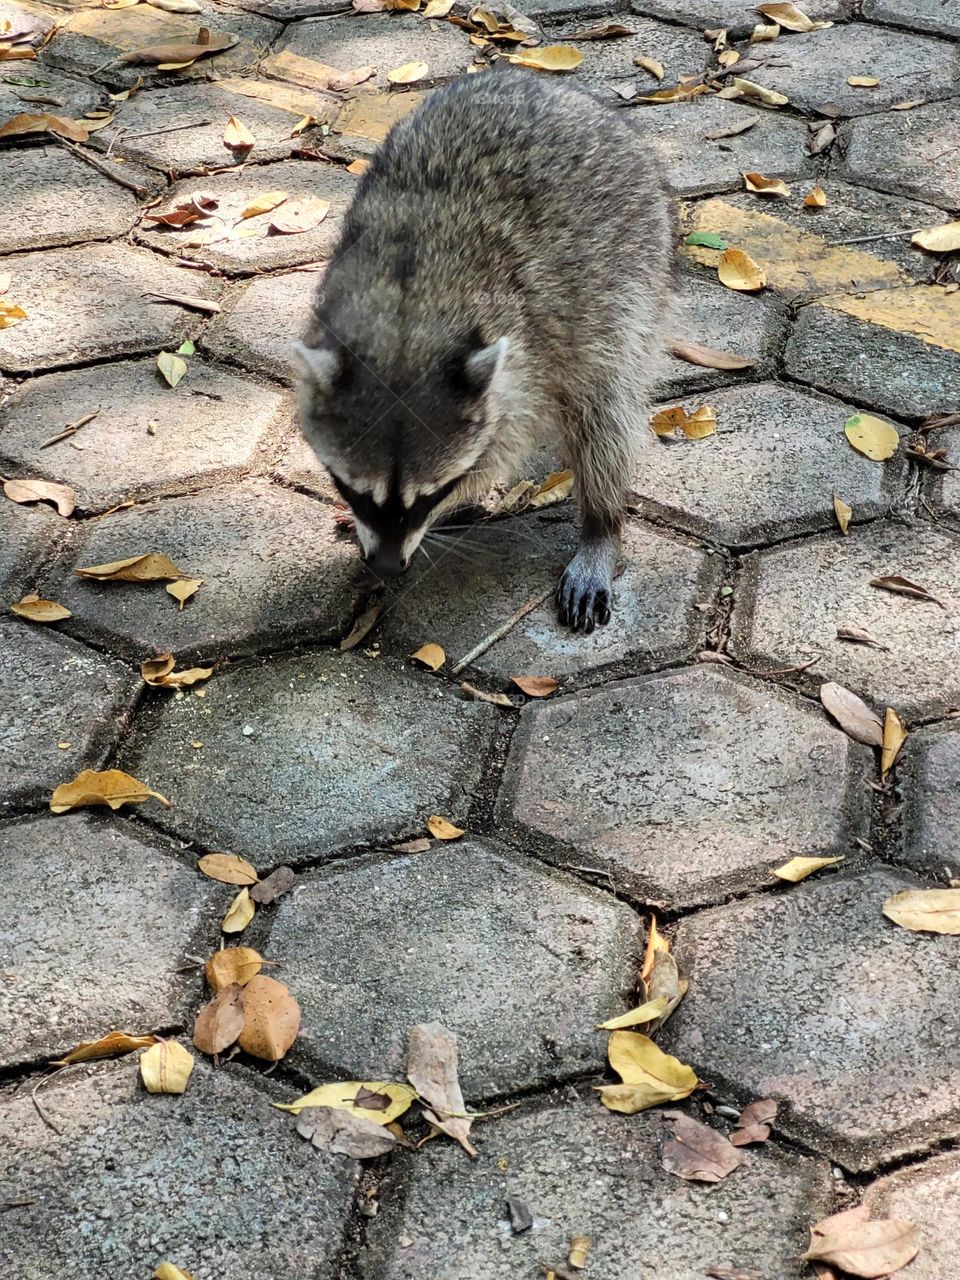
(401, 449)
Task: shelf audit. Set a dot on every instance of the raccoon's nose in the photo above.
(386, 562)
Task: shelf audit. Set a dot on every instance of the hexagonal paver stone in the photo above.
(806, 253)
(816, 67)
(260, 324)
(129, 1181)
(72, 97)
(771, 469)
(897, 350)
(695, 786)
(27, 536)
(299, 467)
(790, 998)
(482, 575)
(310, 52)
(519, 963)
(208, 427)
(737, 18)
(580, 1169)
(274, 573)
(69, 981)
(928, 1195)
(305, 756)
(181, 128)
(909, 152)
(931, 810)
(83, 304)
(364, 121)
(934, 16)
(792, 600)
(257, 249)
(949, 496)
(683, 52)
(90, 40)
(290, 10)
(54, 691)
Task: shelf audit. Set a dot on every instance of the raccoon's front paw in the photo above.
(584, 596)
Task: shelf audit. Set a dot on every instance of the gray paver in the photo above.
(299, 466)
(909, 152)
(518, 963)
(68, 981)
(738, 18)
(263, 251)
(72, 97)
(931, 810)
(792, 600)
(27, 536)
(216, 1181)
(496, 569)
(681, 52)
(698, 783)
(209, 427)
(771, 469)
(274, 574)
(875, 365)
(928, 1195)
(933, 16)
(582, 1170)
(341, 751)
(949, 495)
(815, 68)
(790, 998)
(290, 10)
(260, 325)
(86, 303)
(54, 691)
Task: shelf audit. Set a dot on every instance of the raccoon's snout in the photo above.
(386, 562)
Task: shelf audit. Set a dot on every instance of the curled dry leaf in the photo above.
(344, 1132)
(842, 512)
(655, 68)
(556, 488)
(274, 886)
(901, 586)
(152, 567)
(649, 1011)
(432, 1070)
(44, 122)
(862, 82)
(441, 829)
(36, 610)
(732, 130)
(297, 216)
(220, 1021)
(942, 239)
(761, 186)
(166, 1067)
(362, 627)
(871, 436)
(764, 31)
(578, 1252)
(894, 736)
(816, 197)
(186, 300)
(857, 635)
(166, 1270)
(605, 31)
(408, 73)
(536, 686)
(797, 869)
(11, 314)
(177, 6)
(677, 93)
(657, 944)
(749, 89)
(925, 910)
(430, 656)
(232, 965)
(694, 426)
(112, 787)
(749, 1134)
(551, 57)
(412, 846)
(852, 714)
(649, 1075)
(177, 54)
(113, 1045)
(790, 17)
(239, 914)
(172, 366)
(263, 204)
(60, 496)
(480, 695)
(763, 1111)
(159, 673)
(354, 1096)
(854, 1244)
(708, 358)
(340, 81)
(737, 270)
(666, 983)
(227, 868)
(697, 1152)
(438, 8)
(183, 590)
(271, 1018)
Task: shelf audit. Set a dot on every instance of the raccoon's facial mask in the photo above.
(390, 531)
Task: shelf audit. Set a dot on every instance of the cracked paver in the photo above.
(261, 321)
(910, 153)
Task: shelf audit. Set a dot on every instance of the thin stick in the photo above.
(881, 235)
(51, 1124)
(171, 128)
(784, 671)
(135, 187)
(488, 641)
(70, 429)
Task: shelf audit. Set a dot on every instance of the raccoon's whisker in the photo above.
(452, 546)
(429, 557)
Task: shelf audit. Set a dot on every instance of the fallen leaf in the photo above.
(731, 131)
(666, 982)
(297, 216)
(842, 512)
(655, 68)
(904, 587)
(764, 31)
(438, 8)
(263, 204)
(237, 137)
(822, 140)
(112, 1045)
(36, 610)
(186, 300)
(227, 868)
(432, 1070)
(184, 589)
(942, 239)
(276, 884)
(167, 57)
(60, 496)
(362, 627)
(166, 1270)
(159, 673)
(232, 965)
(852, 714)
(656, 944)
(862, 82)
(239, 913)
(762, 186)
(737, 270)
(708, 358)
(697, 1152)
(863, 1248)
(763, 1111)
(605, 31)
(556, 488)
(173, 367)
(908, 106)
(857, 635)
(413, 846)
(220, 1022)
(816, 197)
(430, 656)
(551, 57)
(344, 1096)
(408, 73)
(177, 6)
(536, 686)
(11, 314)
(894, 736)
(344, 80)
(649, 1011)
(750, 89)
(749, 1134)
(112, 787)
(441, 829)
(677, 93)
(480, 695)
(925, 910)
(649, 1075)
(790, 17)
(152, 567)
(695, 426)
(166, 1067)
(44, 122)
(578, 1252)
(271, 1018)
(874, 437)
(359, 166)
(797, 869)
(705, 240)
(344, 1132)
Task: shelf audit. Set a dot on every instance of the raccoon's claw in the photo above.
(583, 600)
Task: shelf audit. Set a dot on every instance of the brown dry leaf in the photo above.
(60, 496)
(536, 686)
(857, 635)
(152, 567)
(11, 314)
(556, 488)
(344, 1132)
(816, 197)
(551, 57)
(852, 714)
(232, 965)
(438, 8)
(862, 82)
(44, 122)
(666, 982)
(749, 1134)
(731, 131)
(797, 869)
(480, 695)
(432, 1070)
(167, 57)
(908, 106)
(764, 31)
(649, 1011)
(227, 868)
(605, 31)
(655, 68)
(412, 846)
(656, 944)
(358, 166)
(166, 1067)
(239, 913)
(737, 270)
(408, 73)
(763, 1111)
(186, 300)
(708, 358)
(894, 736)
(362, 627)
(925, 910)
(112, 787)
(861, 1247)
(649, 1075)
(942, 239)
(220, 1022)
(749, 89)
(441, 829)
(790, 17)
(264, 203)
(166, 1270)
(842, 512)
(356, 1097)
(695, 426)
(271, 1019)
(904, 587)
(300, 215)
(343, 80)
(678, 93)
(184, 589)
(874, 437)
(430, 656)
(172, 366)
(159, 673)
(276, 884)
(36, 610)
(697, 1152)
(762, 186)
(822, 140)
(112, 1045)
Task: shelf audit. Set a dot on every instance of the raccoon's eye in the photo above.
(361, 503)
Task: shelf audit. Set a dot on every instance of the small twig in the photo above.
(130, 185)
(51, 1124)
(171, 128)
(70, 429)
(113, 141)
(881, 235)
(15, 1204)
(488, 641)
(784, 671)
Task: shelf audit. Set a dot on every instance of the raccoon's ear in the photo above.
(482, 366)
(322, 365)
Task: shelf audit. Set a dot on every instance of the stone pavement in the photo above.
(684, 755)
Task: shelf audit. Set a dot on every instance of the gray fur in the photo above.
(502, 283)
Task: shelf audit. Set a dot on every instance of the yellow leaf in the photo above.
(925, 910)
(166, 1270)
(441, 829)
(677, 93)
(358, 166)
(816, 197)
(737, 270)
(112, 787)
(152, 567)
(762, 186)
(36, 610)
(871, 436)
(842, 512)
(649, 1075)
(552, 57)
(578, 1252)
(438, 8)
(232, 964)
(749, 89)
(409, 73)
(263, 204)
(764, 31)
(556, 488)
(656, 943)
(112, 1045)
(430, 656)
(166, 1067)
(799, 868)
(227, 868)
(942, 239)
(159, 673)
(894, 736)
(11, 314)
(655, 68)
(183, 590)
(695, 426)
(728, 57)
(239, 914)
(172, 366)
(303, 123)
(236, 136)
(299, 215)
(646, 1012)
(271, 1018)
(343, 1098)
(863, 82)
(789, 16)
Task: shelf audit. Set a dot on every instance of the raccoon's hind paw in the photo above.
(585, 594)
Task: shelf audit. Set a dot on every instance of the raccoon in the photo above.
(500, 285)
